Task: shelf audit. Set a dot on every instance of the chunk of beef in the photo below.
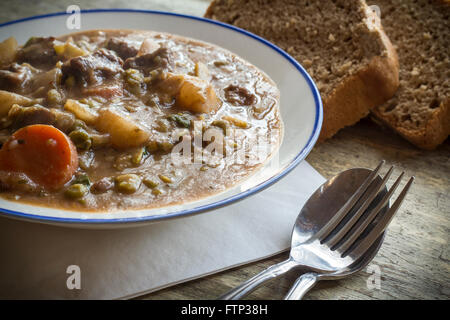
(38, 52)
(123, 48)
(93, 69)
(159, 59)
(17, 181)
(16, 77)
(239, 96)
(102, 186)
(24, 116)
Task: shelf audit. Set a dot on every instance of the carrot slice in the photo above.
(42, 152)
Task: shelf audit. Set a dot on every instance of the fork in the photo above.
(332, 247)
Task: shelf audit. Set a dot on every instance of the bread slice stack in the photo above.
(345, 49)
(340, 43)
(420, 31)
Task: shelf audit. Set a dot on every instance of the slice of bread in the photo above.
(420, 109)
(340, 43)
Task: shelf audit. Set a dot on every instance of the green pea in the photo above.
(127, 183)
(81, 139)
(165, 178)
(134, 79)
(150, 183)
(76, 191)
(156, 192)
(82, 179)
(54, 97)
(79, 124)
(181, 120)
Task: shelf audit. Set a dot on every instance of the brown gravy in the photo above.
(129, 100)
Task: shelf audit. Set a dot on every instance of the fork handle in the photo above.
(303, 284)
(251, 284)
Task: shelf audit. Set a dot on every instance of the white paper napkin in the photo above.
(125, 263)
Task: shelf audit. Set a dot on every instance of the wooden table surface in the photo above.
(413, 262)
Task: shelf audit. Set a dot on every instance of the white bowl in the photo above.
(301, 108)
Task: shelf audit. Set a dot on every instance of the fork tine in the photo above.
(345, 245)
(337, 218)
(379, 228)
(369, 196)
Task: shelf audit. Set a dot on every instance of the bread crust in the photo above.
(427, 137)
(209, 10)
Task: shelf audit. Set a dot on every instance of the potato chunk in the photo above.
(192, 93)
(68, 49)
(148, 46)
(8, 50)
(80, 110)
(124, 132)
(8, 99)
(202, 71)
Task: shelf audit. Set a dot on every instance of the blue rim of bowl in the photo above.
(218, 204)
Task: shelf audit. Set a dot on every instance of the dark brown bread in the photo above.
(341, 44)
(420, 31)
